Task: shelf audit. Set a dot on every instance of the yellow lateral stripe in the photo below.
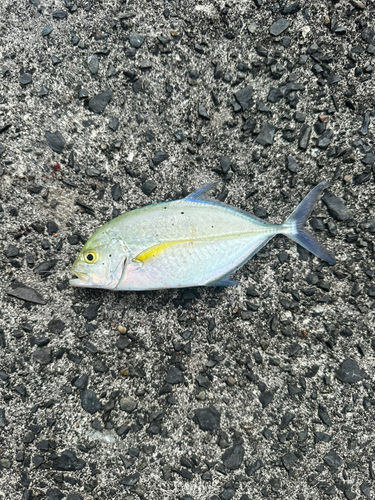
(157, 249)
(160, 247)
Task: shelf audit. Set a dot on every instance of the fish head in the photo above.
(100, 263)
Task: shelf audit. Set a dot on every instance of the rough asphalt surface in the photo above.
(265, 390)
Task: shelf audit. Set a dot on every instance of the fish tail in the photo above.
(294, 228)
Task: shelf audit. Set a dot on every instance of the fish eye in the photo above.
(90, 257)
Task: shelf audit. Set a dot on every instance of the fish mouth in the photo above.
(81, 279)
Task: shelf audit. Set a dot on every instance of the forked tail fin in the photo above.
(294, 228)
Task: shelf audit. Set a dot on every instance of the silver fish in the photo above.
(196, 241)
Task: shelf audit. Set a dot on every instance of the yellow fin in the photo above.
(155, 250)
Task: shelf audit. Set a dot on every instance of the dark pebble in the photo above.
(59, 14)
(299, 117)
(266, 135)
(45, 267)
(365, 124)
(227, 494)
(148, 187)
(52, 228)
(218, 72)
(26, 293)
(54, 493)
(136, 40)
(145, 64)
(279, 26)
(83, 94)
(336, 207)
(321, 437)
(323, 415)
(114, 124)
(25, 78)
(74, 38)
(43, 91)
(291, 8)
(232, 457)
(91, 312)
(291, 164)
(225, 164)
(163, 39)
(274, 95)
(149, 135)
(311, 371)
(81, 382)
(366, 489)
(174, 376)
(98, 103)
(319, 128)
(251, 292)
(362, 177)
(11, 251)
(283, 257)
(55, 141)
(179, 135)
(130, 480)
(265, 398)
(304, 136)
(332, 459)
(286, 419)
(208, 419)
(349, 372)
(263, 108)
(68, 461)
(324, 140)
(116, 191)
(199, 48)
(244, 97)
(202, 112)
(368, 35)
(159, 157)
(289, 460)
(250, 471)
(130, 52)
(74, 496)
(93, 63)
(74, 239)
(47, 30)
(123, 342)
(89, 401)
(42, 355)
(56, 60)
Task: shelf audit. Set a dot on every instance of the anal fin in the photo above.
(223, 281)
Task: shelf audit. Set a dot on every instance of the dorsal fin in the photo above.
(201, 194)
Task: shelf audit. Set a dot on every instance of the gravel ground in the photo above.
(265, 390)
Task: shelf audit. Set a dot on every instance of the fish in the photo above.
(194, 241)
